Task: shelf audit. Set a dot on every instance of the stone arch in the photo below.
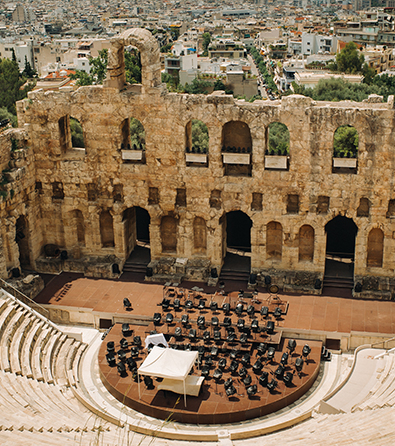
(375, 248)
(306, 243)
(168, 232)
(22, 240)
(148, 46)
(236, 134)
(274, 240)
(199, 235)
(277, 139)
(106, 229)
(345, 142)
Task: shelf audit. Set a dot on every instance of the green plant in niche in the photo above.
(14, 144)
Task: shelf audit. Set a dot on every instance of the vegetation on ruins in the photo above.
(199, 136)
(137, 134)
(278, 136)
(77, 137)
(345, 142)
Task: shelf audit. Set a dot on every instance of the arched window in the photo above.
(196, 143)
(345, 149)
(306, 243)
(22, 240)
(168, 231)
(106, 229)
(199, 235)
(236, 148)
(77, 136)
(277, 139)
(274, 240)
(375, 248)
(133, 140)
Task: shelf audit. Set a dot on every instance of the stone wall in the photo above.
(98, 180)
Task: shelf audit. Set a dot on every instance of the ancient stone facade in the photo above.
(86, 201)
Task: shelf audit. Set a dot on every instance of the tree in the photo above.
(77, 137)
(198, 86)
(137, 134)
(28, 71)
(5, 114)
(278, 139)
(206, 42)
(345, 142)
(349, 60)
(199, 136)
(133, 66)
(98, 67)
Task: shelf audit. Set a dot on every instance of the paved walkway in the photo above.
(322, 313)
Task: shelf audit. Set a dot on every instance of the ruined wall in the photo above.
(98, 180)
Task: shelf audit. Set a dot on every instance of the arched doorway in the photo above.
(136, 223)
(237, 227)
(340, 248)
(22, 240)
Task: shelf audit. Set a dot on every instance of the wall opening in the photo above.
(22, 240)
(168, 231)
(77, 135)
(306, 244)
(236, 148)
(199, 235)
(345, 149)
(133, 141)
(274, 240)
(79, 226)
(196, 144)
(375, 248)
(363, 208)
(106, 229)
(238, 231)
(136, 222)
(340, 237)
(277, 139)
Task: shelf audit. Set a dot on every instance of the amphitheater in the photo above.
(108, 213)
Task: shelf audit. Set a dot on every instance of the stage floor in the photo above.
(212, 406)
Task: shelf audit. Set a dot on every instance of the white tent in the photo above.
(168, 363)
(156, 339)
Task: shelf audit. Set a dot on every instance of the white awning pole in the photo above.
(185, 394)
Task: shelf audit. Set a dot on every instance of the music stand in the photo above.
(273, 294)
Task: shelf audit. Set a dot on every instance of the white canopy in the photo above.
(155, 339)
(168, 363)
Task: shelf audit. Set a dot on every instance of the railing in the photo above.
(382, 343)
(23, 298)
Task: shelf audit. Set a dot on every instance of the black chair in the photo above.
(202, 304)
(205, 371)
(234, 365)
(272, 385)
(234, 353)
(299, 365)
(214, 351)
(217, 375)
(188, 347)
(252, 390)
(110, 346)
(240, 324)
(291, 345)
(148, 382)
(123, 343)
(111, 359)
(126, 330)
(214, 321)
(217, 335)
(230, 391)
(157, 318)
(127, 304)
(121, 355)
(243, 338)
(231, 337)
(169, 318)
(209, 361)
(258, 366)
(264, 311)
(188, 305)
(226, 308)
(206, 336)
(192, 334)
(247, 380)
(134, 352)
(255, 325)
(176, 304)
(213, 306)
(121, 368)
(222, 364)
(239, 309)
(284, 359)
(245, 360)
(131, 364)
(263, 379)
(306, 351)
(150, 347)
(228, 383)
(137, 341)
(227, 322)
(201, 322)
(242, 372)
(279, 372)
(184, 319)
(250, 310)
(270, 327)
(270, 353)
(277, 312)
(288, 379)
(262, 348)
(178, 332)
(165, 304)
